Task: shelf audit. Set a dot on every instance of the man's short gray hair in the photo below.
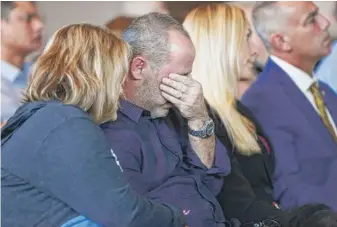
(148, 36)
(268, 17)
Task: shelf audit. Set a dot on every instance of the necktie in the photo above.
(322, 109)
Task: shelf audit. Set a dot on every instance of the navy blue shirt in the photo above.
(160, 163)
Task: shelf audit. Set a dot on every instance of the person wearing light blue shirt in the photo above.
(13, 81)
(327, 69)
(21, 35)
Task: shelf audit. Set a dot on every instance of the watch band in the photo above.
(206, 131)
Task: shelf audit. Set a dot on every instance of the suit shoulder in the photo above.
(261, 91)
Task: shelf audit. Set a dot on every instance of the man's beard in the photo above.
(159, 114)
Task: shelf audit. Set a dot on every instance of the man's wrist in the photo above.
(198, 123)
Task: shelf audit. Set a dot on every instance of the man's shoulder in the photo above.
(122, 129)
(261, 89)
(268, 84)
(122, 122)
(265, 98)
(264, 83)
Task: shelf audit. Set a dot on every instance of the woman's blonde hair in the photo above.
(83, 65)
(218, 32)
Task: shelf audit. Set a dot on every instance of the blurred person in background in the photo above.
(139, 8)
(57, 168)
(132, 10)
(326, 69)
(119, 24)
(298, 113)
(21, 35)
(221, 35)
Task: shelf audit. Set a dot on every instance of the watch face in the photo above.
(210, 129)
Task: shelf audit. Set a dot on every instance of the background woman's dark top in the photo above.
(257, 169)
(57, 166)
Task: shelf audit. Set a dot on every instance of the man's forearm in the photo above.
(204, 148)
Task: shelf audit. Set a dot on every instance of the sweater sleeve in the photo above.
(75, 164)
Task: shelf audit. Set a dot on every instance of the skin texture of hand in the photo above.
(186, 94)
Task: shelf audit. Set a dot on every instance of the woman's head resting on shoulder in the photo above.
(83, 65)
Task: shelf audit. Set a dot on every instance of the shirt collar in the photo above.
(9, 71)
(302, 79)
(132, 111)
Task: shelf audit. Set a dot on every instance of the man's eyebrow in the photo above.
(311, 14)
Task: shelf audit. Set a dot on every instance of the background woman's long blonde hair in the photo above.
(82, 65)
(218, 32)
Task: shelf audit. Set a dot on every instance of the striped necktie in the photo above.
(322, 109)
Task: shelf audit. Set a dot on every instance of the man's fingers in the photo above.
(171, 91)
(175, 84)
(182, 79)
(171, 99)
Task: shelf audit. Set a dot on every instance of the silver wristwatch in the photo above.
(206, 131)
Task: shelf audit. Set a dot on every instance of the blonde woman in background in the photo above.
(221, 35)
(57, 168)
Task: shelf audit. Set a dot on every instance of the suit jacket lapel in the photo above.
(298, 99)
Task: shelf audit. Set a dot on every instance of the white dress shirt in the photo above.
(303, 81)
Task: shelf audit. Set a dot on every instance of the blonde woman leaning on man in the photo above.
(57, 168)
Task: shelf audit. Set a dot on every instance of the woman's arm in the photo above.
(76, 165)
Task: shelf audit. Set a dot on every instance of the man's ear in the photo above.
(280, 42)
(138, 64)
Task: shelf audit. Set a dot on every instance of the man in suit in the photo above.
(298, 113)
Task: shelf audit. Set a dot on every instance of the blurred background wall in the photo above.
(60, 13)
